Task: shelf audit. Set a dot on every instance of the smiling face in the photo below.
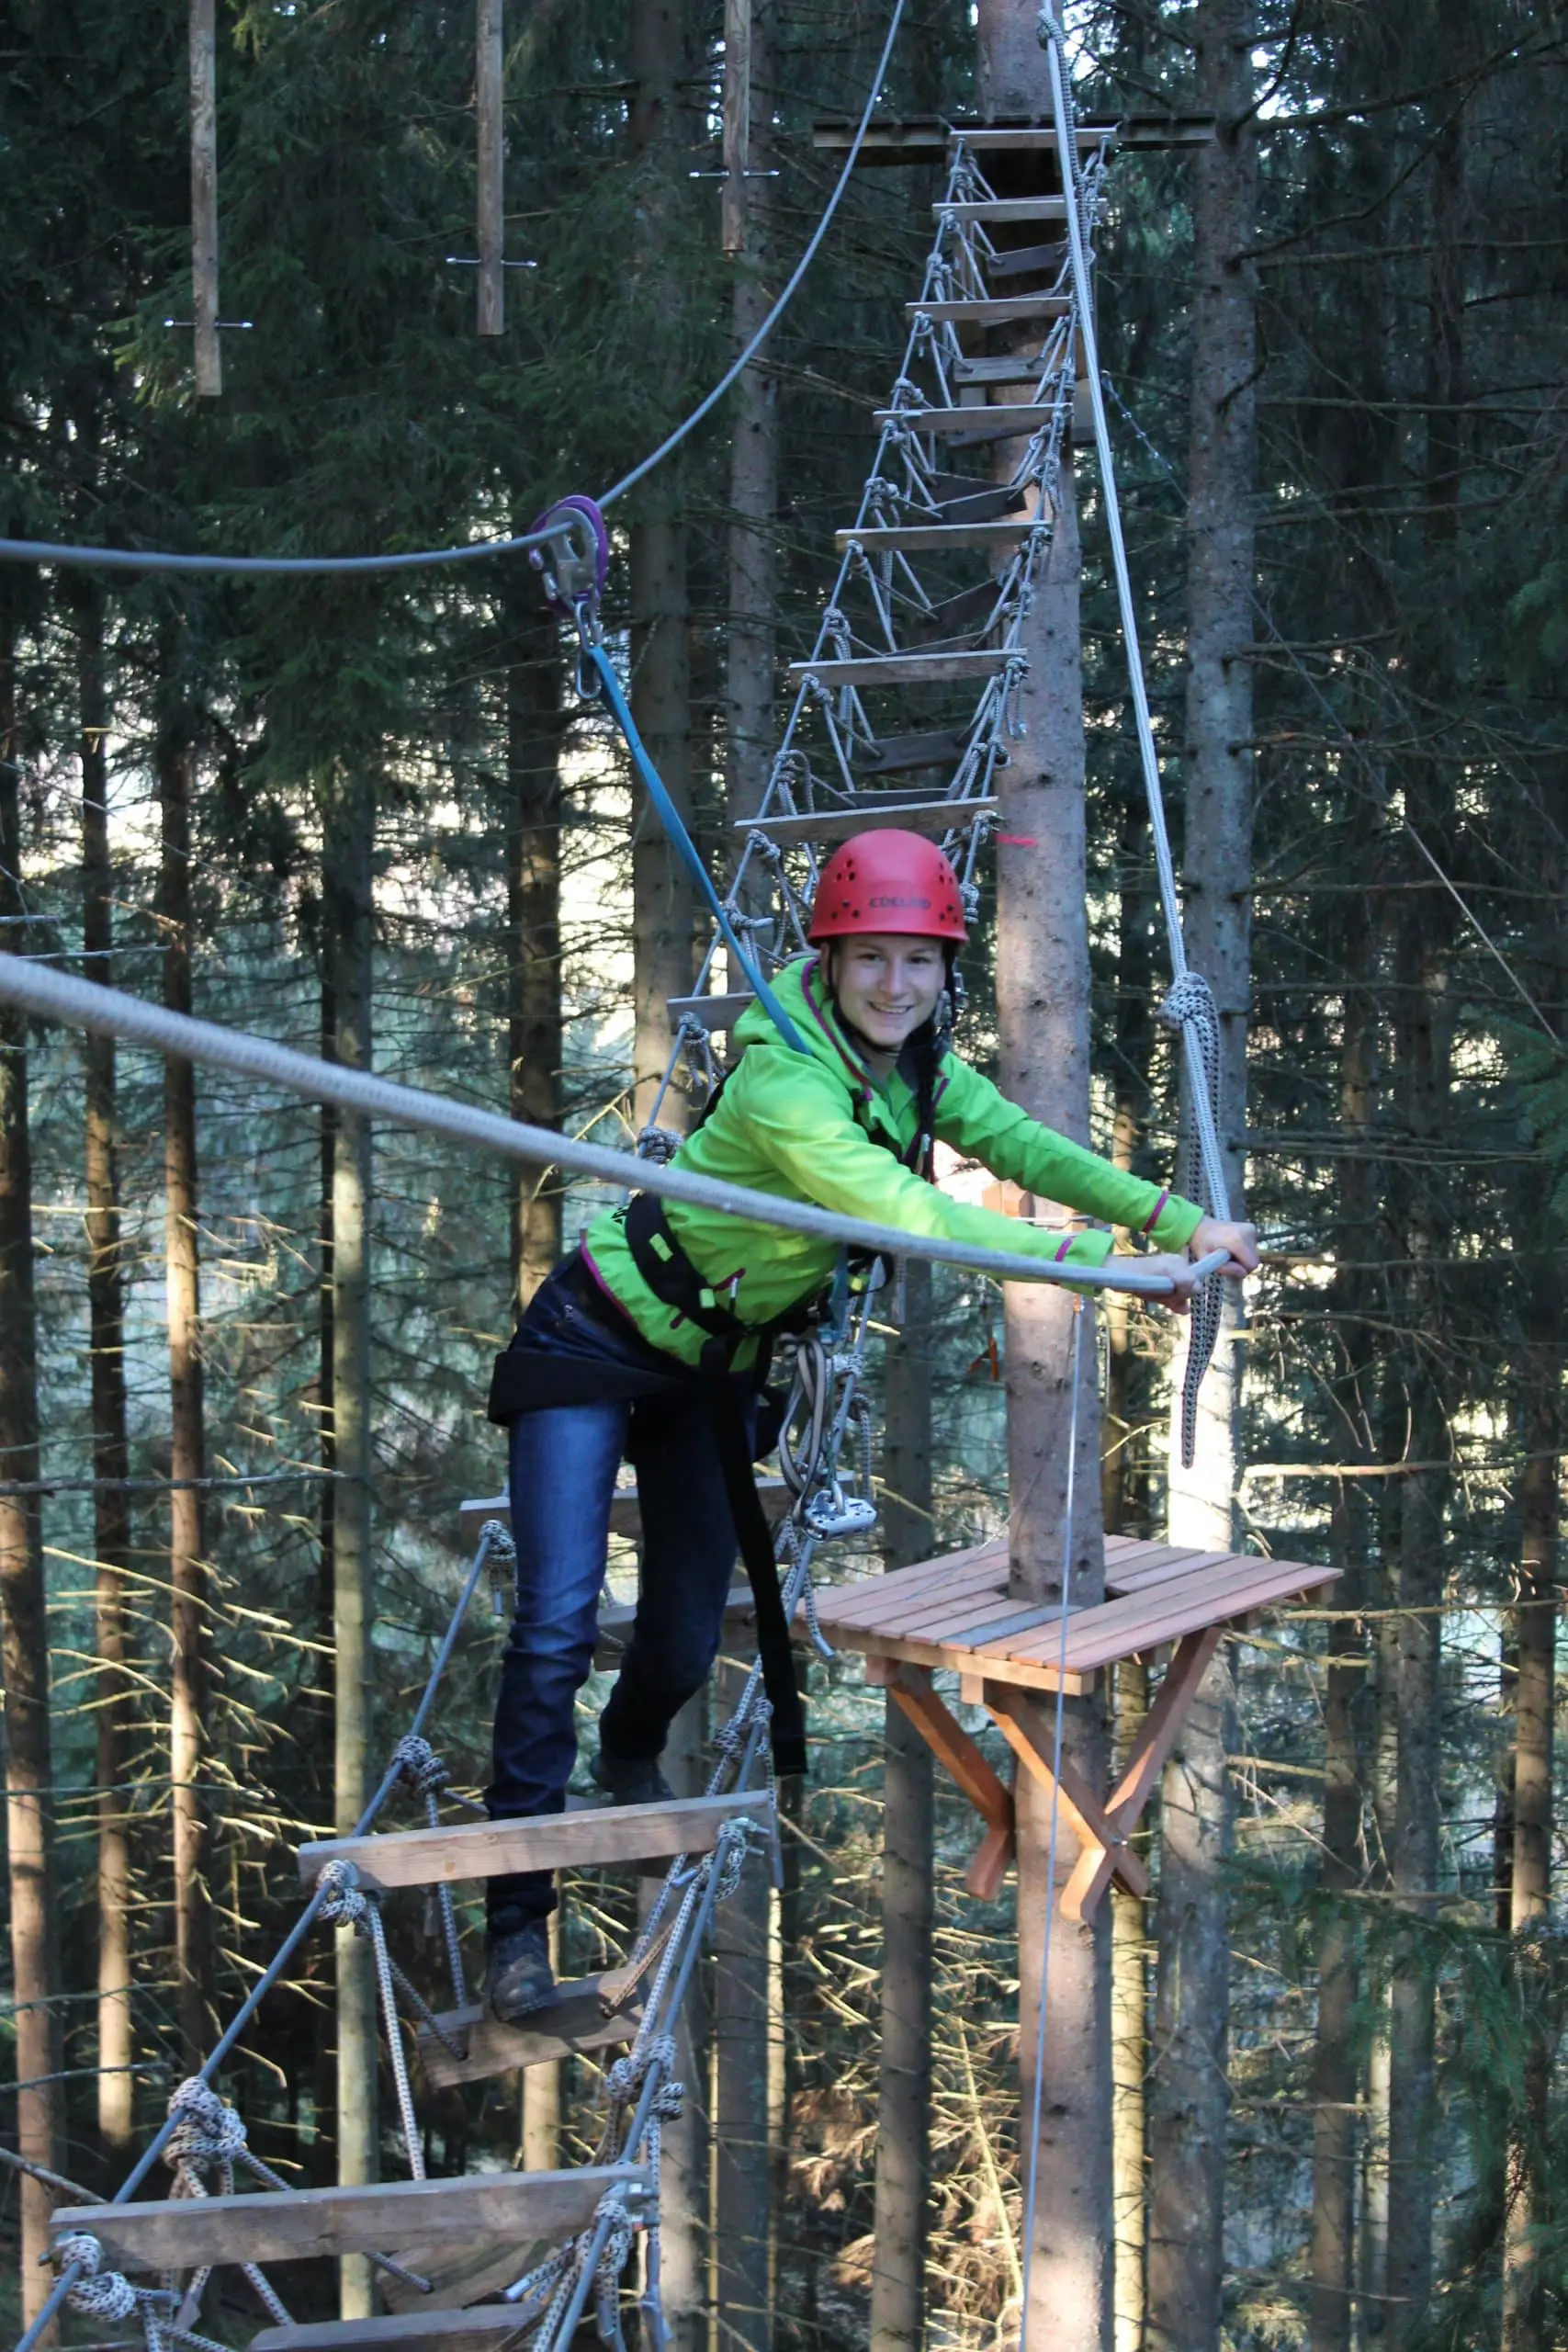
(887, 986)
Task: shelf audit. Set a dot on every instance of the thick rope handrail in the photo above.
(59, 996)
(274, 567)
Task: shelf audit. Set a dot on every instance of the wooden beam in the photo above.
(978, 423)
(186, 2232)
(870, 816)
(902, 669)
(1001, 311)
(490, 106)
(718, 1014)
(1102, 1851)
(204, 195)
(931, 537)
(925, 139)
(574, 2021)
(911, 1689)
(996, 209)
(737, 120)
(555, 1841)
(486, 2328)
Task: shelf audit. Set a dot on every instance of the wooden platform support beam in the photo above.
(185, 2233)
(909, 1688)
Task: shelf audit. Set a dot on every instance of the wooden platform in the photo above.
(183, 2233)
(957, 1612)
(607, 1835)
(488, 2327)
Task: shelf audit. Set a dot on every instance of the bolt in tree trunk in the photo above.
(1335, 2069)
(904, 2078)
(1188, 2101)
(204, 195)
(348, 905)
(663, 913)
(24, 1624)
(105, 1324)
(187, 1564)
(533, 991)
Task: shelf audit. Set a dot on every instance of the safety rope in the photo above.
(469, 551)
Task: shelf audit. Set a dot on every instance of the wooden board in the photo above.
(931, 537)
(716, 1013)
(1216, 1593)
(903, 669)
(838, 1597)
(184, 2232)
(485, 2328)
(981, 1572)
(927, 139)
(932, 818)
(1007, 207)
(1003, 422)
(1001, 310)
(573, 2022)
(1028, 1673)
(560, 1842)
(626, 1518)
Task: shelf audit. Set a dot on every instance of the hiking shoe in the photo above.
(518, 1976)
(626, 1781)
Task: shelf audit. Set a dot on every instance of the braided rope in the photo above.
(1190, 1009)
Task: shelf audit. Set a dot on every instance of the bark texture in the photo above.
(742, 2177)
(187, 1446)
(23, 1625)
(904, 2078)
(105, 1341)
(348, 905)
(753, 465)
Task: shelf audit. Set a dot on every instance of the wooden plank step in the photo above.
(905, 669)
(574, 2021)
(930, 538)
(1019, 368)
(932, 818)
(604, 1835)
(184, 2233)
(1216, 1591)
(624, 1516)
(1001, 311)
(1007, 207)
(718, 1013)
(485, 2328)
(1019, 261)
(999, 423)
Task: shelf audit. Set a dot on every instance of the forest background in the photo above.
(370, 819)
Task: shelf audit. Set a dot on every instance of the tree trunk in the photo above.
(1334, 2066)
(348, 904)
(24, 1623)
(1130, 2055)
(187, 1564)
(685, 2194)
(753, 465)
(323, 2144)
(663, 908)
(1188, 2096)
(904, 2079)
(534, 994)
(741, 2175)
(106, 1327)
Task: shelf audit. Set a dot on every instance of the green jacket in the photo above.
(800, 1125)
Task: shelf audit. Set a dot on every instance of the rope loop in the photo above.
(98, 2293)
(347, 1905)
(208, 2132)
(419, 1766)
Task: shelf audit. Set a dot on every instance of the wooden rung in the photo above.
(999, 311)
(624, 1516)
(716, 1013)
(184, 2233)
(932, 818)
(930, 538)
(485, 2328)
(903, 669)
(1003, 422)
(573, 2022)
(1008, 208)
(555, 1841)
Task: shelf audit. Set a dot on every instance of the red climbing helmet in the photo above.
(888, 881)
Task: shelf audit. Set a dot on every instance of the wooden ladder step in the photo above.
(607, 1835)
(485, 2328)
(930, 538)
(1001, 311)
(905, 669)
(978, 423)
(1018, 368)
(624, 1516)
(932, 818)
(184, 2233)
(1008, 208)
(574, 2021)
(716, 1013)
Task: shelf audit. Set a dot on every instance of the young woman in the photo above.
(646, 1337)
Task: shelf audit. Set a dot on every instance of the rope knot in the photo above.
(101, 2294)
(658, 1144)
(1190, 998)
(208, 2130)
(346, 1903)
(420, 1765)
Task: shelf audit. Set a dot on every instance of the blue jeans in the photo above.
(563, 1463)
